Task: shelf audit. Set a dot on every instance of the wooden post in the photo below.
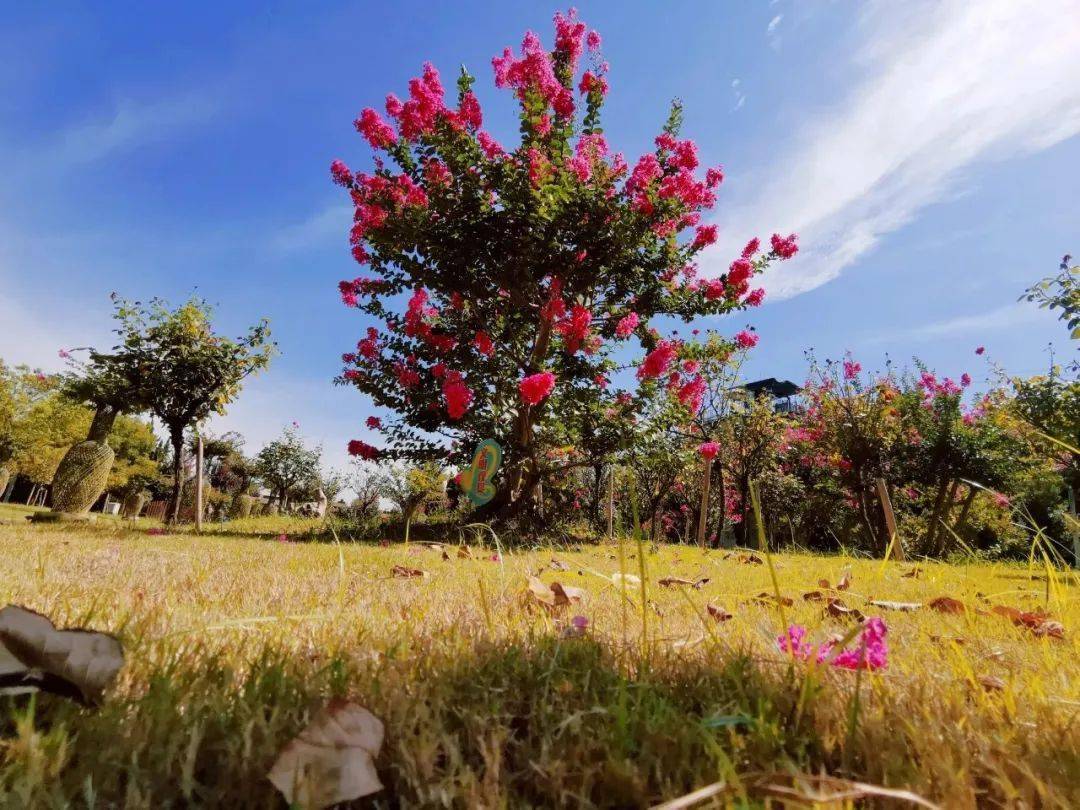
(611, 504)
(1074, 529)
(703, 518)
(198, 482)
(890, 522)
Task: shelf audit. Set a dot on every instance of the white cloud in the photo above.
(945, 85)
(740, 96)
(328, 226)
(1004, 317)
(773, 23)
(129, 125)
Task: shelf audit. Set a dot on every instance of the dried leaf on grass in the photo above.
(718, 613)
(912, 574)
(332, 760)
(946, 604)
(75, 663)
(403, 572)
(1039, 623)
(902, 606)
(765, 596)
(553, 597)
(558, 565)
(668, 582)
(991, 683)
(838, 610)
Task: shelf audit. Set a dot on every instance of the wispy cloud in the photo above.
(740, 96)
(1004, 317)
(946, 85)
(327, 226)
(129, 124)
(771, 32)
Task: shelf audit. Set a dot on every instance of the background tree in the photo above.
(411, 488)
(363, 479)
(524, 270)
(185, 372)
(286, 464)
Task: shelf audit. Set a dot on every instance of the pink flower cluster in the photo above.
(575, 328)
(456, 394)
(626, 325)
(708, 450)
(426, 104)
(869, 651)
(535, 388)
(533, 71)
(658, 360)
(363, 450)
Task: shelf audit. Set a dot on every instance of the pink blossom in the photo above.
(484, 344)
(705, 235)
(752, 247)
(785, 247)
(627, 324)
(692, 393)
(489, 146)
(657, 361)
(469, 110)
(593, 41)
(965, 380)
(869, 651)
(851, 369)
(755, 297)
(363, 450)
(535, 388)
(457, 395)
(746, 339)
(375, 130)
(708, 450)
(340, 174)
(575, 328)
(980, 350)
(374, 422)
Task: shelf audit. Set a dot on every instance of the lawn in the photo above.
(233, 642)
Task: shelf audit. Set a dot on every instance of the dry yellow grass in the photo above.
(233, 642)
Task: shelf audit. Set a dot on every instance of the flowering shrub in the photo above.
(503, 278)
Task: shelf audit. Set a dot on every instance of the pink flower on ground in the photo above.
(708, 450)
(535, 388)
(746, 339)
(869, 651)
(283, 538)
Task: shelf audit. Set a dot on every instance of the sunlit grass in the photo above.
(232, 641)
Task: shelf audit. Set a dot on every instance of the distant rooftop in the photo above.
(773, 387)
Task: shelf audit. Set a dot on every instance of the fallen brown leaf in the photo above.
(824, 583)
(1038, 622)
(912, 574)
(668, 582)
(718, 612)
(946, 604)
(814, 596)
(838, 610)
(403, 572)
(79, 664)
(332, 760)
(991, 683)
(845, 582)
(751, 559)
(557, 565)
(786, 601)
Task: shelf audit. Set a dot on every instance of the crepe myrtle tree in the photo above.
(503, 280)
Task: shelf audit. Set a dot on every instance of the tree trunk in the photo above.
(961, 521)
(939, 500)
(943, 518)
(177, 440)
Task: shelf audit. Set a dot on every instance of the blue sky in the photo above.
(926, 152)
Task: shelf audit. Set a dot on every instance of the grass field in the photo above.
(232, 643)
